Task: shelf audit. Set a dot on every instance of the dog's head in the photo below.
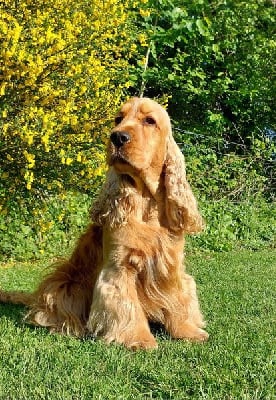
(141, 145)
(138, 140)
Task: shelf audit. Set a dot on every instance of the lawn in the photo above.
(236, 291)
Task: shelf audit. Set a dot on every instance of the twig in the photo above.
(143, 84)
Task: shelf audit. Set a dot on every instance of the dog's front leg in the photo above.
(186, 321)
(116, 314)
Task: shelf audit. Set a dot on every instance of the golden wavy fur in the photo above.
(127, 268)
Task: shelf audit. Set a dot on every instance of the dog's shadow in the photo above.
(14, 313)
(158, 330)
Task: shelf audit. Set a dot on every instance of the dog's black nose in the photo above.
(119, 138)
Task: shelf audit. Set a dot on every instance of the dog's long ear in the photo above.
(181, 205)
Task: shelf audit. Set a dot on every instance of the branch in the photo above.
(143, 84)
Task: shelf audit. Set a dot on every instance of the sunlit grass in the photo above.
(236, 292)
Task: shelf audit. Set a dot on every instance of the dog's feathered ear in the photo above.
(181, 205)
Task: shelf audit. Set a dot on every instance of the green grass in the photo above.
(236, 292)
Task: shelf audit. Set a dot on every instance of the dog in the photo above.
(127, 268)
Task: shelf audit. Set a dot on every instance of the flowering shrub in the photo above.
(64, 70)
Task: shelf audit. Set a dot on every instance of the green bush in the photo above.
(67, 66)
(218, 174)
(215, 60)
(35, 229)
(26, 233)
(249, 224)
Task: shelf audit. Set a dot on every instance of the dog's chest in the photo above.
(149, 210)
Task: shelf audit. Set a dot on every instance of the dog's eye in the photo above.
(118, 119)
(149, 121)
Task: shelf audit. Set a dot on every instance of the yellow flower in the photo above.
(83, 89)
(143, 39)
(3, 89)
(66, 62)
(30, 158)
(74, 120)
(68, 161)
(144, 13)
(60, 217)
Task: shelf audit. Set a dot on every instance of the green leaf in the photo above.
(201, 27)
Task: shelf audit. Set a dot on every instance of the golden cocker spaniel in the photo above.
(127, 268)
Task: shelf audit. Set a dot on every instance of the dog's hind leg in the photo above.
(63, 299)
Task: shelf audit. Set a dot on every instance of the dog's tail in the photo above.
(16, 297)
(63, 298)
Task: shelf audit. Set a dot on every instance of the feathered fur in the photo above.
(127, 268)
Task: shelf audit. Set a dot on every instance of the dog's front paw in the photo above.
(200, 336)
(139, 339)
(142, 344)
(189, 331)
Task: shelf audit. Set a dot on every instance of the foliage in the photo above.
(64, 69)
(218, 172)
(34, 229)
(249, 224)
(237, 294)
(215, 60)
